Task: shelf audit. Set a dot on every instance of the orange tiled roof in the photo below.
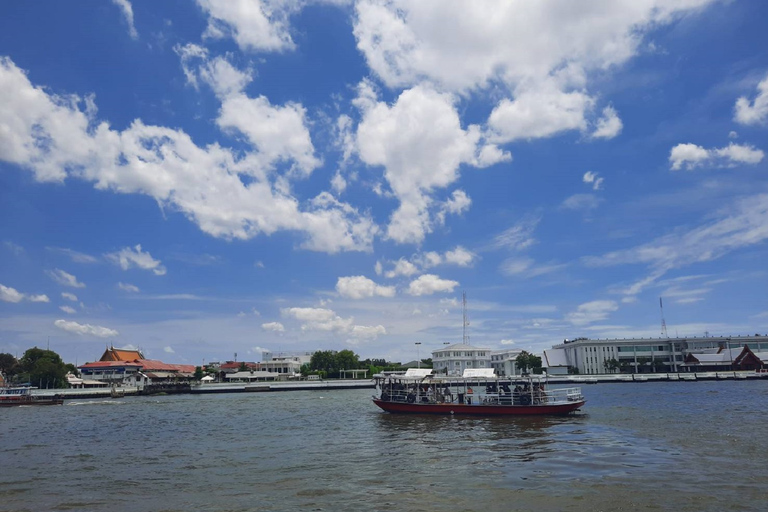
(121, 354)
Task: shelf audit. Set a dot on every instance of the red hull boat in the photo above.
(420, 392)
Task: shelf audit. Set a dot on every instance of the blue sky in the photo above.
(200, 179)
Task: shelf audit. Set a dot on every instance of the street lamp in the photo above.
(418, 356)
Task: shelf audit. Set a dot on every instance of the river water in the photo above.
(683, 446)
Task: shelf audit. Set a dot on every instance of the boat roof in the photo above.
(478, 372)
(417, 373)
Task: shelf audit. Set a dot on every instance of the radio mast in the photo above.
(465, 338)
(663, 323)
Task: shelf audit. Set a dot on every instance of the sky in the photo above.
(216, 178)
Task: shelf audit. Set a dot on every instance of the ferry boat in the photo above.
(15, 396)
(476, 392)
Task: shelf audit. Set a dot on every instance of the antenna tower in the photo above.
(465, 338)
(663, 323)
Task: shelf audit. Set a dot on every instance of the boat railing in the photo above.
(461, 395)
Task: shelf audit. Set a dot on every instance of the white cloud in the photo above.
(459, 256)
(68, 309)
(273, 326)
(507, 342)
(591, 312)
(75, 256)
(518, 236)
(127, 287)
(690, 156)
(538, 113)
(360, 287)
(518, 46)
(403, 267)
(8, 294)
(608, 126)
(134, 257)
(526, 267)
(169, 350)
(69, 296)
(254, 25)
(581, 202)
(85, 329)
(65, 278)
(322, 319)
(54, 139)
(743, 224)
(592, 177)
(755, 111)
(420, 143)
(127, 9)
(429, 284)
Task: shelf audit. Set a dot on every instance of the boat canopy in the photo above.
(472, 373)
(417, 373)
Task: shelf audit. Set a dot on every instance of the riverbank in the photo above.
(330, 385)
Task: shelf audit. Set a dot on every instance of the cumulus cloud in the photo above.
(520, 46)
(591, 312)
(85, 329)
(254, 26)
(227, 193)
(322, 319)
(420, 143)
(690, 156)
(755, 111)
(429, 284)
(126, 287)
(127, 10)
(134, 257)
(360, 287)
(273, 326)
(69, 296)
(68, 309)
(8, 294)
(402, 267)
(169, 350)
(609, 125)
(64, 278)
(593, 179)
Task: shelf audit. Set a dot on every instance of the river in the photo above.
(683, 446)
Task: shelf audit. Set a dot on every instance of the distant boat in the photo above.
(480, 395)
(16, 396)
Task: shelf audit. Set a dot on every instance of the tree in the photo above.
(426, 363)
(44, 368)
(198, 372)
(526, 361)
(611, 365)
(347, 360)
(323, 360)
(8, 365)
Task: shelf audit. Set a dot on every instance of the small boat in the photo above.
(475, 393)
(16, 396)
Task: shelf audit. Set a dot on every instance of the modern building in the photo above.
(645, 355)
(285, 363)
(454, 359)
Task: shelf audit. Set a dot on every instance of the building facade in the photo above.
(645, 355)
(503, 362)
(454, 359)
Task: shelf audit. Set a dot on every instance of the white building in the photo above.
(285, 363)
(644, 355)
(454, 359)
(503, 362)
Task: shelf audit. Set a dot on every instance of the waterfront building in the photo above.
(285, 363)
(504, 362)
(454, 359)
(128, 367)
(647, 355)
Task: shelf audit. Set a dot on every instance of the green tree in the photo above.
(526, 361)
(305, 370)
(9, 365)
(347, 360)
(198, 372)
(611, 365)
(426, 363)
(44, 368)
(324, 360)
